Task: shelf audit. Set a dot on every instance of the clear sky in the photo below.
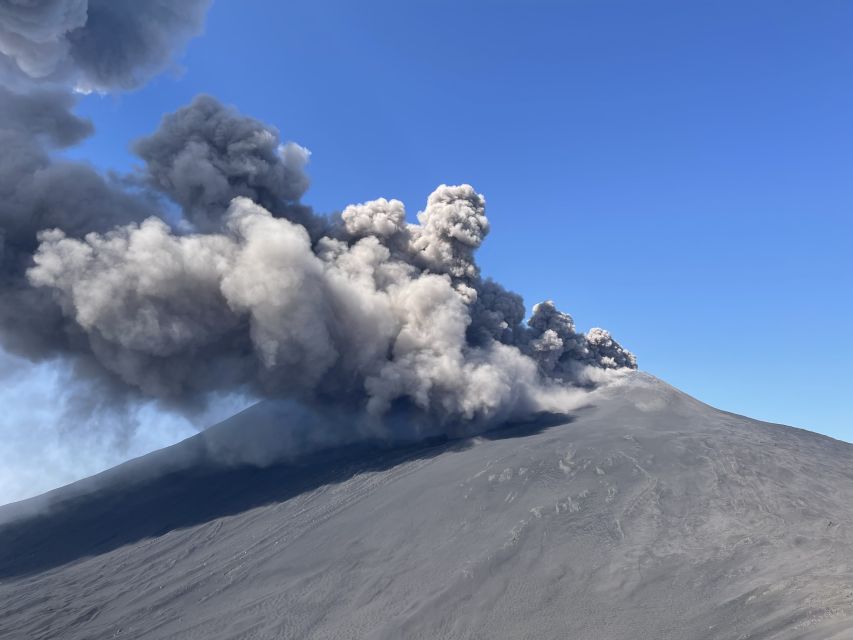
(680, 173)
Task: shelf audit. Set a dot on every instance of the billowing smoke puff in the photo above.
(206, 154)
(560, 349)
(250, 292)
(92, 44)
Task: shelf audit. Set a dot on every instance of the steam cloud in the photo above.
(250, 291)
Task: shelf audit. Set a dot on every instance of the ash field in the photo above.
(642, 514)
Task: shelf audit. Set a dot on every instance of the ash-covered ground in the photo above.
(642, 514)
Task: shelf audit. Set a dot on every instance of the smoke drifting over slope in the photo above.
(251, 292)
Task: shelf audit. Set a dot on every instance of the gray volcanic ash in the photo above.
(643, 514)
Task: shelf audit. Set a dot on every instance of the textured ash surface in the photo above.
(646, 515)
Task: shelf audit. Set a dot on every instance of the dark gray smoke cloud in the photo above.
(37, 192)
(249, 292)
(560, 349)
(92, 44)
(206, 154)
(48, 48)
(43, 114)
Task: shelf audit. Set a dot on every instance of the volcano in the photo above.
(643, 514)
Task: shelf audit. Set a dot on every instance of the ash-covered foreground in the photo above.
(645, 514)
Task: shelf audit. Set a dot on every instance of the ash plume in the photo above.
(250, 292)
(380, 314)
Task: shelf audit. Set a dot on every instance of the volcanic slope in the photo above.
(645, 514)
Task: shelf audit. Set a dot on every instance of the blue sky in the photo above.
(680, 173)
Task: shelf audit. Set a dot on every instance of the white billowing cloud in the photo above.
(280, 284)
(381, 218)
(452, 227)
(140, 286)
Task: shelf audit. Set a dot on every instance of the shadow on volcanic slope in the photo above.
(85, 524)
